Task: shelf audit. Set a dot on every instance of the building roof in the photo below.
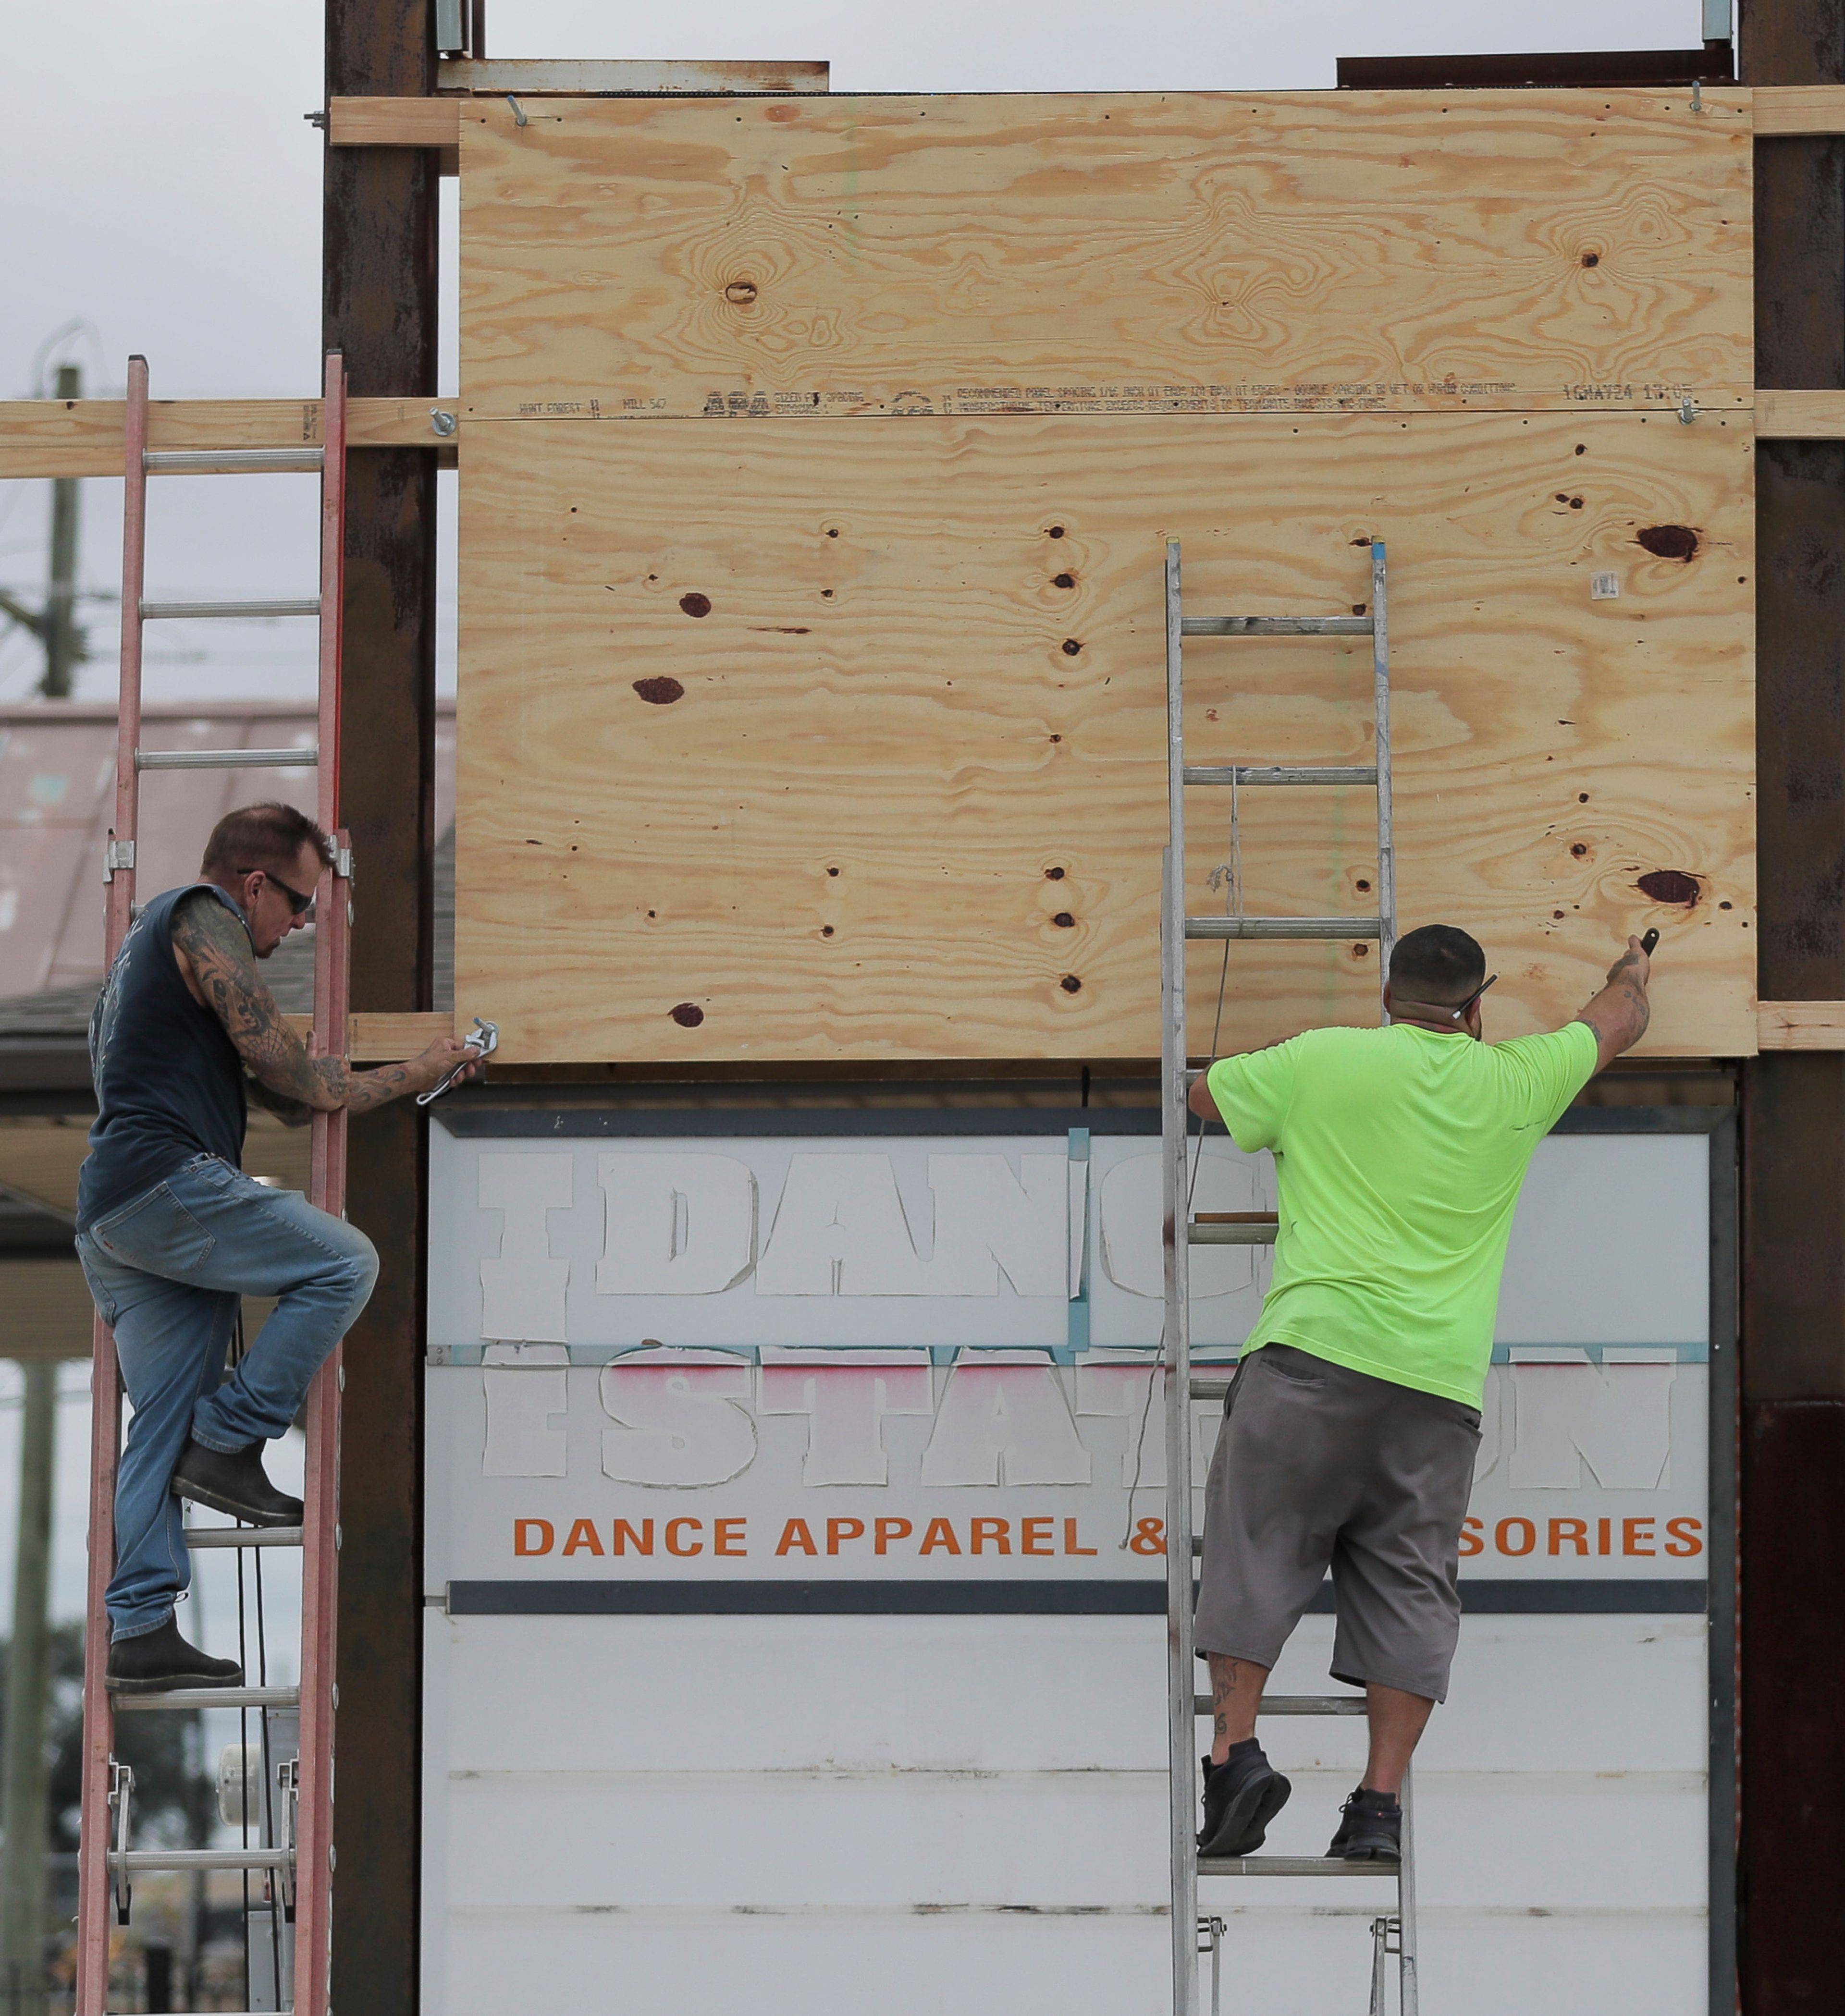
(57, 786)
(57, 801)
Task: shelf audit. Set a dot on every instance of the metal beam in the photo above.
(1793, 1429)
(379, 252)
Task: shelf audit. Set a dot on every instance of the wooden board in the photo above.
(780, 728)
(1802, 1025)
(384, 1037)
(1800, 415)
(83, 437)
(1174, 253)
(492, 77)
(1799, 111)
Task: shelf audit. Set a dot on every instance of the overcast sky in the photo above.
(160, 191)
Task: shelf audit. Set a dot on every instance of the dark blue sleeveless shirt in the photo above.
(169, 1081)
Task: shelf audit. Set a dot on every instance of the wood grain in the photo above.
(1800, 415)
(83, 437)
(385, 1037)
(492, 77)
(1799, 111)
(824, 813)
(1159, 253)
(393, 122)
(1802, 1025)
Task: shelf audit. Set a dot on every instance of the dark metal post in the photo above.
(380, 311)
(63, 641)
(1793, 1529)
(24, 1798)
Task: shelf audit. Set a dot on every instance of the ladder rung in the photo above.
(1293, 1865)
(1283, 927)
(189, 1697)
(229, 461)
(200, 1858)
(226, 759)
(243, 1537)
(234, 612)
(1242, 774)
(1275, 626)
(1262, 1232)
(1296, 1705)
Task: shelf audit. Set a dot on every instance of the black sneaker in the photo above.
(1370, 1829)
(154, 1661)
(1241, 1796)
(237, 1484)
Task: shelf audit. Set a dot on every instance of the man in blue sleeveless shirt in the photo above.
(172, 1235)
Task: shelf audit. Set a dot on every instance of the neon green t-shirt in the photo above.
(1399, 1153)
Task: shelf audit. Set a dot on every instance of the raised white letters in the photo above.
(677, 1419)
(1003, 1420)
(520, 1404)
(839, 1230)
(845, 1399)
(523, 1289)
(1616, 1418)
(675, 1224)
(1131, 1209)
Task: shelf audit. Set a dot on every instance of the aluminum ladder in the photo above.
(297, 1859)
(1392, 1936)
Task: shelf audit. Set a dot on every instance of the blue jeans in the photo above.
(167, 1272)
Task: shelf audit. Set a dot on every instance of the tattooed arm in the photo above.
(290, 1112)
(1619, 1014)
(220, 967)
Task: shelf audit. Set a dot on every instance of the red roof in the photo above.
(57, 798)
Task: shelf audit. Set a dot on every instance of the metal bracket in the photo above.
(1687, 411)
(316, 119)
(121, 1786)
(117, 854)
(1386, 1943)
(343, 863)
(1210, 1940)
(288, 1777)
(482, 1043)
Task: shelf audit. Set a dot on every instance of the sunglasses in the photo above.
(1460, 1012)
(299, 906)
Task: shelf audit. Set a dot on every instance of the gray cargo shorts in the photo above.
(1318, 1467)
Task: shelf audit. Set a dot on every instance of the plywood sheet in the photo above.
(846, 742)
(1154, 253)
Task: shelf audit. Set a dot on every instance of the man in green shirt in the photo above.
(1352, 1426)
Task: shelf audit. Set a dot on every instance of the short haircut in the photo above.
(269, 837)
(1438, 964)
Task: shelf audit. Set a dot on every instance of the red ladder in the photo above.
(300, 1865)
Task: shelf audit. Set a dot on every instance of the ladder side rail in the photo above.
(1380, 660)
(1180, 1679)
(320, 1556)
(93, 1898)
(1406, 1984)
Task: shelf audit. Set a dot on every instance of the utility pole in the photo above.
(23, 1770)
(63, 644)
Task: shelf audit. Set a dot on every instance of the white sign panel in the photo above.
(918, 1359)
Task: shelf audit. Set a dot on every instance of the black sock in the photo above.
(1370, 1792)
(1248, 1748)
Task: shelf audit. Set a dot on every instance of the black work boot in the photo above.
(154, 1661)
(1242, 1794)
(237, 1484)
(1370, 1828)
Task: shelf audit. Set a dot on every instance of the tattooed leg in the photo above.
(1236, 1694)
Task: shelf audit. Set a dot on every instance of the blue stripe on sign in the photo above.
(1114, 1597)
